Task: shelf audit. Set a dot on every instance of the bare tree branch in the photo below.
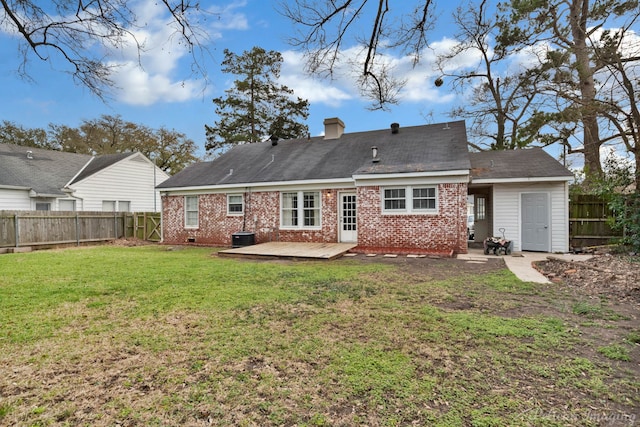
(326, 27)
(74, 30)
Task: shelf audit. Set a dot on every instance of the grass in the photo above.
(615, 352)
(147, 336)
(594, 311)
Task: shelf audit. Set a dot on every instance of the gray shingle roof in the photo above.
(429, 148)
(511, 164)
(47, 172)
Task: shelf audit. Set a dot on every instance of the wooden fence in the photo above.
(32, 228)
(588, 221)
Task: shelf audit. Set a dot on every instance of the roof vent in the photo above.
(374, 154)
(274, 140)
(29, 154)
(395, 128)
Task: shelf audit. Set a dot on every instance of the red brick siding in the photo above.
(441, 233)
(262, 209)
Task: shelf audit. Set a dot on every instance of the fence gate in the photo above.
(148, 226)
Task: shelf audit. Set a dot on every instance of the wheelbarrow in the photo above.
(498, 245)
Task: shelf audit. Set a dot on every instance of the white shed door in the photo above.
(535, 222)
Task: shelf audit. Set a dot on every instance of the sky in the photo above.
(165, 94)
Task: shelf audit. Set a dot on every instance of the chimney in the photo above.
(395, 128)
(333, 128)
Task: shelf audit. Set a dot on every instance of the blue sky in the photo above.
(165, 94)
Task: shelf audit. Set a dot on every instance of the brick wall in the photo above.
(441, 233)
(262, 217)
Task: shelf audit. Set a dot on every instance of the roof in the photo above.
(516, 164)
(47, 172)
(429, 148)
(99, 163)
(43, 171)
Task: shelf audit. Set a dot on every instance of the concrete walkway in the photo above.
(520, 263)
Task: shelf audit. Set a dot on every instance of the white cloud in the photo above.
(152, 74)
(138, 87)
(343, 85)
(317, 91)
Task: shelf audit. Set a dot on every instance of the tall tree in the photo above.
(620, 103)
(502, 96)
(13, 133)
(256, 107)
(73, 29)
(327, 26)
(169, 149)
(573, 31)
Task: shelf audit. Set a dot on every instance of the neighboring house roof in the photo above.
(99, 163)
(516, 165)
(422, 149)
(45, 172)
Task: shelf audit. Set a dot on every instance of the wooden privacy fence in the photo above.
(31, 228)
(588, 221)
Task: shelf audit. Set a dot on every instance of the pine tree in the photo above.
(256, 107)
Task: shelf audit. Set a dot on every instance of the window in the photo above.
(481, 208)
(191, 211)
(235, 204)
(311, 209)
(394, 199)
(108, 205)
(124, 206)
(424, 199)
(300, 215)
(410, 200)
(67, 205)
(43, 206)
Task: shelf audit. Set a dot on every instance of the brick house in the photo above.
(402, 190)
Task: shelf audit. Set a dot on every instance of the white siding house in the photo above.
(508, 214)
(15, 199)
(128, 185)
(527, 197)
(37, 179)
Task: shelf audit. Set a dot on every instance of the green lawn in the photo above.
(150, 336)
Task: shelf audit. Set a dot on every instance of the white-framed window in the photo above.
(300, 209)
(124, 206)
(43, 206)
(108, 205)
(67, 205)
(410, 199)
(235, 204)
(191, 211)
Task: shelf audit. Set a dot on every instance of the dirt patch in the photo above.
(434, 267)
(605, 275)
(131, 242)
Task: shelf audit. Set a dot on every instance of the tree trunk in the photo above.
(591, 138)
